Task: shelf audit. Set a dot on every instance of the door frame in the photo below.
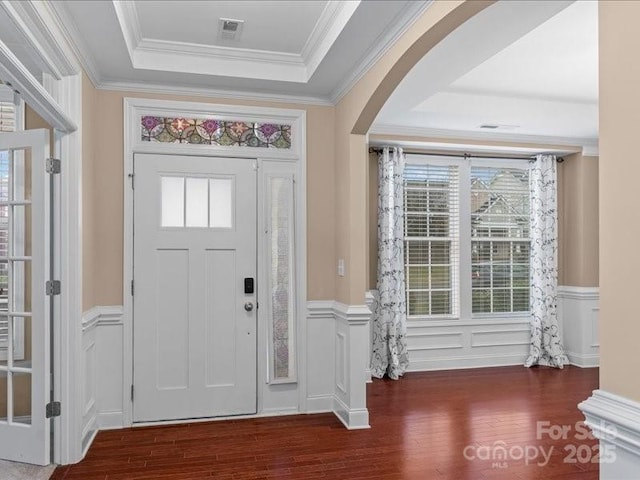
(134, 109)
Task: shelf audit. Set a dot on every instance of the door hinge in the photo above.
(132, 288)
(53, 165)
(132, 393)
(132, 176)
(53, 287)
(53, 409)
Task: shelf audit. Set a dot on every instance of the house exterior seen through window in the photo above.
(466, 237)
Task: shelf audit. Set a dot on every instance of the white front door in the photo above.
(194, 317)
(24, 305)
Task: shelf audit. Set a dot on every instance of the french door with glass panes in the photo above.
(24, 305)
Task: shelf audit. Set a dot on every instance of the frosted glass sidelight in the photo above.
(172, 201)
(197, 202)
(221, 203)
(282, 309)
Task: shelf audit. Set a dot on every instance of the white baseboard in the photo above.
(110, 420)
(354, 418)
(320, 404)
(615, 421)
(88, 441)
(89, 433)
(584, 360)
(279, 412)
(466, 361)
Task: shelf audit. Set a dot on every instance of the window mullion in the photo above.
(464, 229)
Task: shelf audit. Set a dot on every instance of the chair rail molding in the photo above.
(615, 421)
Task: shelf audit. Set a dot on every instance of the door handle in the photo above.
(248, 306)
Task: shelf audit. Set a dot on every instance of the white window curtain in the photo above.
(389, 352)
(546, 346)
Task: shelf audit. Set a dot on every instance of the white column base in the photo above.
(351, 349)
(352, 418)
(615, 421)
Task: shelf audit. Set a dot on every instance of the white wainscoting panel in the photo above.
(615, 421)
(103, 369)
(338, 357)
(480, 342)
(578, 313)
(352, 347)
(321, 354)
(89, 393)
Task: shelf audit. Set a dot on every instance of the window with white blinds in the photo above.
(500, 239)
(7, 117)
(431, 206)
(466, 237)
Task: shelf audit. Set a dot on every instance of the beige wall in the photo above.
(578, 221)
(354, 115)
(103, 177)
(619, 199)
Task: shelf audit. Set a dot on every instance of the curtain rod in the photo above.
(465, 155)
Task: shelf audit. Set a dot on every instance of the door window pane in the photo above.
(197, 202)
(221, 203)
(21, 397)
(172, 201)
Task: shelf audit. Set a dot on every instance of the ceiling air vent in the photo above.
(496, 126)
(230, 29)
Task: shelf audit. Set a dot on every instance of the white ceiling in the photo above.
(307, 50)
(529, 67)
(292, 21)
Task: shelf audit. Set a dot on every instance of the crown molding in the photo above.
(199, 59)
(129, 22)
(591, 150)
(68, 29)
(381, 46)
(332, 21)
(156, 54)
(211, 93)
(575, 143)
(41, 30)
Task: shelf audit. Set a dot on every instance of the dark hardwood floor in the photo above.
(432, 425)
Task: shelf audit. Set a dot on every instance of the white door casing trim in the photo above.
(58, 100)
(134, 108)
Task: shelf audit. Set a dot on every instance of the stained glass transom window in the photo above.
(211, 131)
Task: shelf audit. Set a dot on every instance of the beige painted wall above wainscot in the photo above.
(106, 195)
(355, 113)
(578, 221)
(619, 38)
